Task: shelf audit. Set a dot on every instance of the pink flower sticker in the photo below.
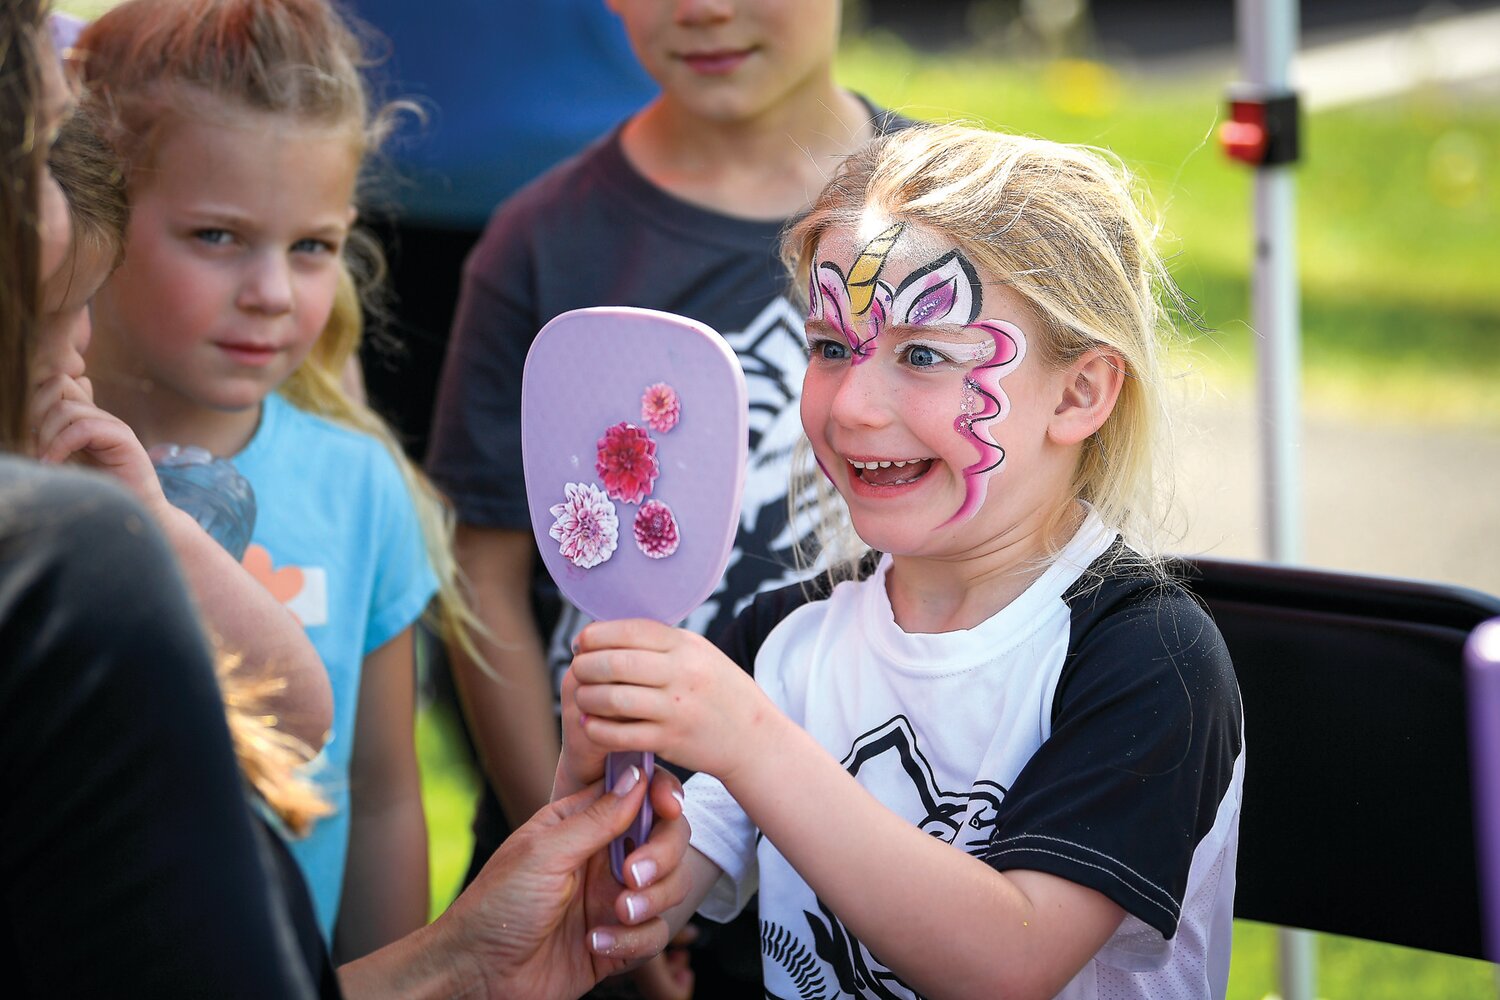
(586, 525)
(627, 462)
(656, 529)
(660, 407)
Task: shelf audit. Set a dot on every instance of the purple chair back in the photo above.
(1482, 653)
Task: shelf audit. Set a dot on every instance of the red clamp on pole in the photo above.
(1261, 130)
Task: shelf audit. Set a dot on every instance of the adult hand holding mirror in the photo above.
(634, 430)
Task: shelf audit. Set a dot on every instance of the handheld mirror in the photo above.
(634, 430)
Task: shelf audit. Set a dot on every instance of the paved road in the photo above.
(1397, 499)
(1163, 29)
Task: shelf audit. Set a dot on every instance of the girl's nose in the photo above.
(267, 287)
(862, 399)
(697, 12)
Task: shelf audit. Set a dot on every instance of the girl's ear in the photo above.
(1090, 387)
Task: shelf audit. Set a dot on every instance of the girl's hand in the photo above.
(70, 426)
(642, 685)
(582, 760)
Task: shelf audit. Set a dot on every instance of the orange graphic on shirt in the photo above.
(284, 583)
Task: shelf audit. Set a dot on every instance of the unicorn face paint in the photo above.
(903, 391)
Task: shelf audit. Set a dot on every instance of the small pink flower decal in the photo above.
(656, 529)
(660, 407)
(586, 525)
(627, 462)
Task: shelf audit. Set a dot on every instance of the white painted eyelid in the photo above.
(962, 352)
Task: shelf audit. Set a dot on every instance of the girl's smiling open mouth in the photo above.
(889, 472)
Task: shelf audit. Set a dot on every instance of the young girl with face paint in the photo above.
(1000, 755)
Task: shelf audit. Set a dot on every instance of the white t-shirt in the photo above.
(1091, 729)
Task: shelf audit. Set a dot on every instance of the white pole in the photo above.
(1279, 354)
(1268, 39)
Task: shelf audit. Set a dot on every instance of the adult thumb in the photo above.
(591, 818)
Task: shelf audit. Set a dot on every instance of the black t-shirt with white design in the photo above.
(1091, 730)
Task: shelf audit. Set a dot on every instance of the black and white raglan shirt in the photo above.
(1091, 730)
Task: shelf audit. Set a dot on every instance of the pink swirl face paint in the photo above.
(938, 290)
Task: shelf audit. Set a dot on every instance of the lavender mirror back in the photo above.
(634, 431)
(633, 440)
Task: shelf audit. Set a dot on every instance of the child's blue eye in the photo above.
(922, 356)
(213, 237)
(314, 246)
(828, 350)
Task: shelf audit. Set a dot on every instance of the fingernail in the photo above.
(677, 794)
(635, 907)
(602, 941)
(573, 644)
(627, 781)
(583, 718)
(643, 872)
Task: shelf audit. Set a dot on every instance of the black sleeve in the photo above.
(475, 450)
(129, 864)
(1145, 734)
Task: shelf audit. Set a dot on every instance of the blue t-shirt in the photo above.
(338, 542)
(511, 87)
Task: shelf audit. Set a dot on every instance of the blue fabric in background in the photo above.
(511, 87)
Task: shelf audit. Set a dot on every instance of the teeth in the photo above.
(882, 464)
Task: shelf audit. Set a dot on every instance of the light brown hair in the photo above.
(21, 148)
(92, 177)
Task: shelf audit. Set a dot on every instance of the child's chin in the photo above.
(882, 535)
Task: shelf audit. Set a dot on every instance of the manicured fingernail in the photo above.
(602, 941)
(635, 907)
(583, 718)
(627, 781)
(644, 872)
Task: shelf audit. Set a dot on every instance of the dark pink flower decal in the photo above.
(660, 407)
(656, 529)
(586, 525)
(627, 462)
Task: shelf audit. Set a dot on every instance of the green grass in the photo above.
(449, 787)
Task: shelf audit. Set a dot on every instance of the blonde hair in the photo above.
(1063, 227)
(148, 63)
(271, 760)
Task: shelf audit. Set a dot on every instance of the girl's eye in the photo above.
(213, 237)
(828, 350)
(311, 245)
(922, 356)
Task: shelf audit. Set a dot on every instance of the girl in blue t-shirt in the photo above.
(229, 325)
